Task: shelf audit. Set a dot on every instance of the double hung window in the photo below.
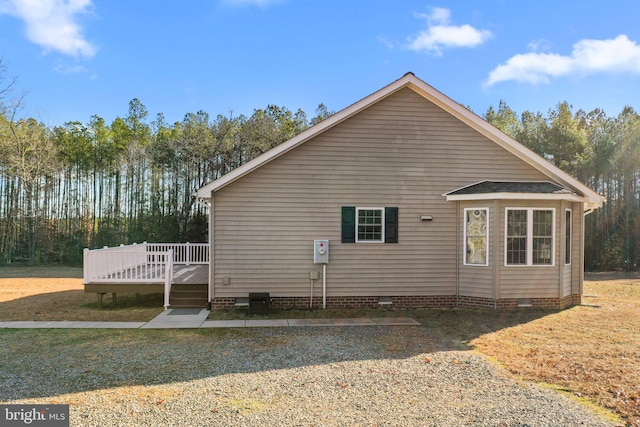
(529, 236)
(369, 225)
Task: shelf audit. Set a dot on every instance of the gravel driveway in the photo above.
(347, 376)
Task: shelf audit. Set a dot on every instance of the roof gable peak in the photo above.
(447, 104)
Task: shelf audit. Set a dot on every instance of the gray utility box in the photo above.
(321, 252)
(259, 303)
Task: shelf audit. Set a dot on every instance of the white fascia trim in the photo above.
(515, 196)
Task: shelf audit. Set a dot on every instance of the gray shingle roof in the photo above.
(512, 187)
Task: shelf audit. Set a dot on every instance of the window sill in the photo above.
(529, 265)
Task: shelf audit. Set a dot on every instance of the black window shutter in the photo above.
(348, 224)
(391, 225)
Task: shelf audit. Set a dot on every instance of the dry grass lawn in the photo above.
(57, 293)
(592, 352)
(588, 351)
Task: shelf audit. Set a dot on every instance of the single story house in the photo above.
(416, 202)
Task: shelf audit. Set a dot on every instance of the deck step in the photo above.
(189, 296)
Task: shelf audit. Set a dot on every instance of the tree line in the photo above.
(604, 153)
(97, 184)
(78, 185)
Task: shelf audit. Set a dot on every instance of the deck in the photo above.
(191, 274)
(148, 268)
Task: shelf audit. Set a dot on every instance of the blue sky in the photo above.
(78, 58)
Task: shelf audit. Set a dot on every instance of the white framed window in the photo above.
(568, 232)
(476, 236)
(369, 225)
(529, 236)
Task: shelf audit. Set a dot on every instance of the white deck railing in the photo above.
(184, 253)
(142, 263)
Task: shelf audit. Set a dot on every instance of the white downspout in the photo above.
(458, 253)
(211, 224)
(582, 261)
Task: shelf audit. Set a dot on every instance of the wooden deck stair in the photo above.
(189, 295)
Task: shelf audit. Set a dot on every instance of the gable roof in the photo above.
(409, 80)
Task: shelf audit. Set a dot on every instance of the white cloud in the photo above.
(52, 24)
(65, 69)
(619, 55)
(441, 34)
(388, 43)
(438, 15)
(539, 45)
(531, 68)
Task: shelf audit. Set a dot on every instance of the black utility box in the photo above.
(259, 303)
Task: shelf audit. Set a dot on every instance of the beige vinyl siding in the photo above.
(403, 151)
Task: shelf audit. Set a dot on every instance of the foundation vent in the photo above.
(384, 301)
(524, 302)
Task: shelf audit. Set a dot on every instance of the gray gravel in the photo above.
(356, 376)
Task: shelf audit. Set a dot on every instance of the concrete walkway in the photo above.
(185, 318)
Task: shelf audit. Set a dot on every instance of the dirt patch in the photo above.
(57, 293)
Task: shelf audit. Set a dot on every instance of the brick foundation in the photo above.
(223, 303)
(444, 301)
